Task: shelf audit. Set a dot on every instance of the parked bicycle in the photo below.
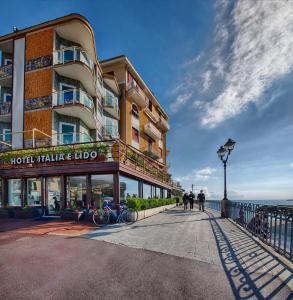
(103, 215)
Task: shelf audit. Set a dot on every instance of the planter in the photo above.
(153, 211)
(71, 215)
(4, 213)
(25, 214)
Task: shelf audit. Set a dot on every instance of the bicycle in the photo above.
(103, 215)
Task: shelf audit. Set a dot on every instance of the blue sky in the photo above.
(220, 68)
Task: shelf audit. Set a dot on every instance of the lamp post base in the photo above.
(225, 208)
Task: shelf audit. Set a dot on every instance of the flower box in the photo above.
(25, 214)
(4, 213)
(71, 215)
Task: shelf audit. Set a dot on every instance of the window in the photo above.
(76, 192)
(102, 190)
(7, 61)
(67, 133)
(147, 191)
(135, 135)
(150, 144)
(135, 111)
(128, 188)
(67, 93)
(111, 127)
(7, 97)
(161, 153)
(150, 106)
(34, 192)
(14, 192)
(6, 135)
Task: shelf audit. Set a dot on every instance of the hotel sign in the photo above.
(49, 158)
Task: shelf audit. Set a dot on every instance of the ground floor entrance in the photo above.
(52, 192)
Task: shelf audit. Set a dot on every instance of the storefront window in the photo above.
(128, 188)
(165, 194)
(102, 190)
(76, 192)
(147, 191)
(14, 192)
(158, 192)
(34, 192)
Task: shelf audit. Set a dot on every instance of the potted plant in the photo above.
(72, 213)
(27, 212)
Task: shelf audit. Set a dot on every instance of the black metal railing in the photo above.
(272, 224)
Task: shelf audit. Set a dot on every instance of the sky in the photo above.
(221, 69)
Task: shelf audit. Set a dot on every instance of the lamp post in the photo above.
(223, 154)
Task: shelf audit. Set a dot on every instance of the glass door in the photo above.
(53, 188)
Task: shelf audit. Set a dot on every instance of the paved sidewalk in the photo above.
(253, 272)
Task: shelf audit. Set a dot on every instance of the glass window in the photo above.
(67, 133)
(135, 135)
(128, 188)
(165, 194)
(34, 197)
(102, 190)
(135, 111)
(76, 192)
(14, 192)
(147, 191)
(157, 192)
(53, 195)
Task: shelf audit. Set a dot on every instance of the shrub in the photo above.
(143, 204)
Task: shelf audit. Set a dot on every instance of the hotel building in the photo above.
(75, 131)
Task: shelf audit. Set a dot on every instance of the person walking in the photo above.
(201, 199)
(185, 200)
(191, 200)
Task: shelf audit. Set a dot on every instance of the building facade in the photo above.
(75, 131)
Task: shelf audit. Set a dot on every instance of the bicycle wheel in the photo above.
(129, 215)
(100, 217)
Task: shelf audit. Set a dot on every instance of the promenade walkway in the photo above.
(251, 271)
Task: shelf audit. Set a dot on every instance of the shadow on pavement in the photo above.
(253, 272)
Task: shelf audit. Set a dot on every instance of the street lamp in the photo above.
(223, 154)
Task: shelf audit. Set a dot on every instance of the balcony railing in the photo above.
(76, 97)
(152, 131)
(113, 150)
(273, 225)
(163, 124)
(72, 54)
(137, 94)
(5, 71)
(5, 108)
(151, 115)
(110, 105)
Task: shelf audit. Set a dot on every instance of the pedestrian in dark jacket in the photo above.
(185, 200)
(191, 199)
(201, 199)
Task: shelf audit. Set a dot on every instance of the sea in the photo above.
(267, 202)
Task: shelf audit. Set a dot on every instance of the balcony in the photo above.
(151, 115)
(5, 112)
(152, 154)
(71, 138)
(163, 124)
(76, 103)
(74, 62)
(152, 131)
(111, 106)
(137, 95)
(111, 132)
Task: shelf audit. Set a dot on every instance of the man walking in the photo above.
(191, 200)
(185, 200)
(201, 199)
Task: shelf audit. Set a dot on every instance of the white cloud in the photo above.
(197, 175)
(291, 165)
(252, 50)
